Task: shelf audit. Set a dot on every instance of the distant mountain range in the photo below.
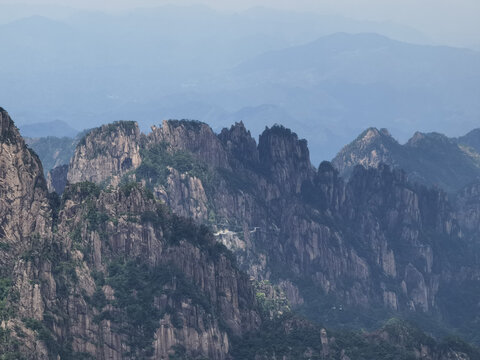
(427, 158)
(55, 128)
(262, 67)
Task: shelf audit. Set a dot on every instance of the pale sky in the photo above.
(444, 21)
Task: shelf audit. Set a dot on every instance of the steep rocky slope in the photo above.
(24, 202)
(337, 249)
(107, 158)
(108, 272)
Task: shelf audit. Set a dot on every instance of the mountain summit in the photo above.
(427, 158)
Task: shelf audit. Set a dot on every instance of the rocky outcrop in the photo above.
(106, 154)
(25, 223)
(285, 158)
(371, 148)
(24, 207)
(367, 242)
(183, 282)
(192, 136)
(109, 272)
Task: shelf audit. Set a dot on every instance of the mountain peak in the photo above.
(372, 134)
(8, 130)
(369, 149)
(286, 156)
(192, 136)
(107, 152)
(427, 139)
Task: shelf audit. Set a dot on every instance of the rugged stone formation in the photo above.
(372, 241)
(109, 274)
(192, 136)
(106, 153)
(107, 271)
(24, 207)
(372, 148)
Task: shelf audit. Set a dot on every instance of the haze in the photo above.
(449, 22)
(326, 69)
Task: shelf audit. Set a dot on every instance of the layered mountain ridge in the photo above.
(427, 158)
(109, 272)
(376, 240)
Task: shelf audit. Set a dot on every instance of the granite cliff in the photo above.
(185, 244)
(109, 273)
(337, 248)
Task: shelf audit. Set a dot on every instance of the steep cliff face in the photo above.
(144, 282)
(106, 153)
(25, 223)
(109, 274)
(373, 241)
(24, 206)
(192, 136)
(285, 158)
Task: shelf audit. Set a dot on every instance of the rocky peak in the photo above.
(24, 205)
(369, 149)
(427, 158)
(373, 134)
(25, 224)
(240, 144)
(8, 130)
(285, 157)
(192, 136)
(106, 153)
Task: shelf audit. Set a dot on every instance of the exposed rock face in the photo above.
(57, 179)
(431, 159)
(106, 153)
(193, 136)
(286, 158)
(110, 273)
(24, 208)
(369, 242)
(186, 317)
(25, 223)
(119, 277)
